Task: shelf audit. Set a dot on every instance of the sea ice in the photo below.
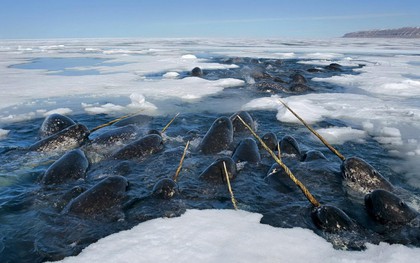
(228, 236)
(340, 135)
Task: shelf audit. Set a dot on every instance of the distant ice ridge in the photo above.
(228, 236)
(404, 32)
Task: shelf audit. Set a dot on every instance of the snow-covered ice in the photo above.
(228, 236)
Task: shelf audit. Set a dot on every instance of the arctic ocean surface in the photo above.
(123, 76)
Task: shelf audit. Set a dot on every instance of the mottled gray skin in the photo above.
(154, 132)
(298, 79)
(334, 67)
(196, 72)
(387, 208)
(218, 138)
(258, 73)
(272, 87)
(102, 197)
(313, 155)
(289, 145)
(105, 144)
(140, 148)
(165, 188)
(53, 124)
(299, 88)
(215, 172)
(247, 151)
(67, 139)
(68, 196)
(238, 126)
(116, 136)
(361, 177)
(138, 120)
(332, 219)
(70, 167)
(270, 139)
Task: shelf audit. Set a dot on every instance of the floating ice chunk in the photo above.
(394, 141)
(18, 117)
(3, 133)
(340, 135)
(139, 101)
(306, 108)
(62, 111)
(389, 136)
(266, 103)
(189, 56)
(368, 126)
(390, 132)
(102, 109)
(309, 110)
(171, 75)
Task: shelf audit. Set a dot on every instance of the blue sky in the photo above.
(201, 18)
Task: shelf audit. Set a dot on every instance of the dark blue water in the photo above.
(34, 227)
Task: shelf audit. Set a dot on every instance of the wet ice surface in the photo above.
(356, 108)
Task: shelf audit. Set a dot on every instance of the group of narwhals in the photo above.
(60, 133)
